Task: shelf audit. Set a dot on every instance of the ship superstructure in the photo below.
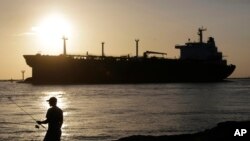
(200, 50)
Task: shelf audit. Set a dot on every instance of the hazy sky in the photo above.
(27, 27)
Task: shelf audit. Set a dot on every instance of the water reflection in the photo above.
(61, 101)
(108, 112)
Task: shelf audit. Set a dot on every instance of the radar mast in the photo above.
(200, 30)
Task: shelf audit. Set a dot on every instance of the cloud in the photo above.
(232, 1)
(25, 34)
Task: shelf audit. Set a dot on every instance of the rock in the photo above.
(225, 131)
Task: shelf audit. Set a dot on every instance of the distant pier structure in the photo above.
(23, 72)
(64, 45)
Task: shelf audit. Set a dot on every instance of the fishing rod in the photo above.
(37, 126)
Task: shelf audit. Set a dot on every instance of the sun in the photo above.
(50, 32)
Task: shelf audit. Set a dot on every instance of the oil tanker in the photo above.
(199, 62)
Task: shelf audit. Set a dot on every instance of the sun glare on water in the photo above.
(50, 32)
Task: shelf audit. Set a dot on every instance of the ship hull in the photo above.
(73, 70)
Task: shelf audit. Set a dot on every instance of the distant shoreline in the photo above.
(4, 80)
(16, 80)
(239, 78)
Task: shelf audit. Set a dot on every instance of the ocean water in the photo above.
(109, 112)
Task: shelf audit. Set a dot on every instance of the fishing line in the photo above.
(26, 112)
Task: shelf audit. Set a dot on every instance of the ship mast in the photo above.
(64, 44)
(137, 46)
(200, 30)
(103, 49)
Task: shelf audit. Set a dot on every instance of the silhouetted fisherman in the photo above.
(55, 120)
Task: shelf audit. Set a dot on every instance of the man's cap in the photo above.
(52, 99)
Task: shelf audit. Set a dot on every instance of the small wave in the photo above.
(23, 131)
(91, 137)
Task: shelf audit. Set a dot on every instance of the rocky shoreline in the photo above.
(224, 131)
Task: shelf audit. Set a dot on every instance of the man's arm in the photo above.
(42, 122)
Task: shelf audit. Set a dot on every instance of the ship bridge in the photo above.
(200, 50)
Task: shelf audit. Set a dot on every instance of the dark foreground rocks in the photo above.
(225, 131)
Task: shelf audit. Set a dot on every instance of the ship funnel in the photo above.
(137, 46)
(64, 45)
